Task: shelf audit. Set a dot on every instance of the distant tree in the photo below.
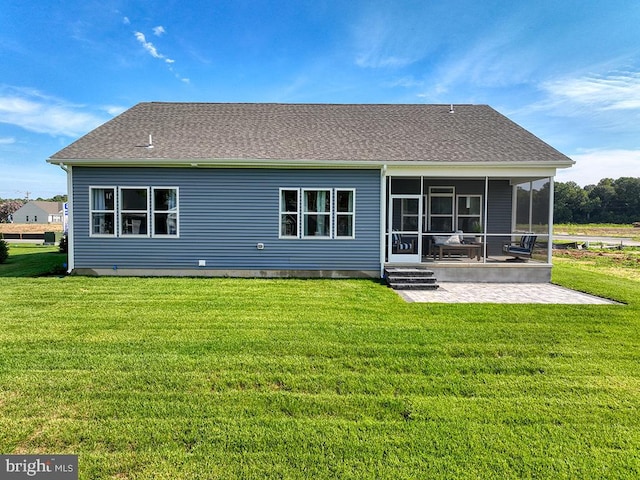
(8, 208)
(59, 198)
(610, 201)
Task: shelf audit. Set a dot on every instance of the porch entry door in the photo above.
(405, 219)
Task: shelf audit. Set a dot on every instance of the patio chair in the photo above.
(520, 251)
(399, 244)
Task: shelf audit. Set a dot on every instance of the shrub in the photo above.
(4, 251)
(64, 245)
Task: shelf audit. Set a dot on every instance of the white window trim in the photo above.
(332, 213)
(303, 213)
(282, 212)
(152, 219)
(122, 211)
(352, 214)
(114, 211)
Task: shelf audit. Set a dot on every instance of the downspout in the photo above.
(484, 220)
(383, 216)
(70, 255)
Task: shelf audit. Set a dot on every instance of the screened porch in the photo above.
(468, 221)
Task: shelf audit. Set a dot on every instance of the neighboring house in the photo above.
(307, 190)
(39, 212)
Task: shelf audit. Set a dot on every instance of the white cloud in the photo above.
(150, 47)
(593, 165)
(33, 111)
(126, 21)
(389, 41)
(7, 140)
(114, 109)
(159, 30)
(617, 91)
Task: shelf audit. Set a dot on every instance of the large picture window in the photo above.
(134, 211)
(165, 211)
(102, 211)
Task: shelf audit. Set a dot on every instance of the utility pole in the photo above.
(27, 196)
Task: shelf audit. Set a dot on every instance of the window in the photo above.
(102, 211)
(165, 211)
(345, 213)
(289, 207)
(441, 209)
(316, 211)
(470, 213)
(134, 211)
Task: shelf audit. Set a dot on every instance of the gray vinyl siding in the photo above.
(499, 214)
(223, 215)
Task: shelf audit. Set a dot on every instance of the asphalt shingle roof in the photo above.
(351, 132)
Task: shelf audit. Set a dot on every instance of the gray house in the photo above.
(39, 212)
(309, 190)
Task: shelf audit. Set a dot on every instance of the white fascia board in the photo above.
(475, 170)
(216, 163)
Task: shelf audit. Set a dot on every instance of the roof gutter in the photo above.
(283, 163)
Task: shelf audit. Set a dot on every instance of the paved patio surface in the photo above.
(502, 293)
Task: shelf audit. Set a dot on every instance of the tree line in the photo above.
(610, 201)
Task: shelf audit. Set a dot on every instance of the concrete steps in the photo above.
(410, 278)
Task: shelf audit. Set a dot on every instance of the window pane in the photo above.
(134, 198)
(102, 198)
(441, 205)
(165, 224)
(134, 224)
(469, 224)
(344, 201)
(165, 199)
(317, 201)
(289, 201)
(103, 223)
(441, 224)
(469, 205)
(289, 225)
(316, 225)
(344, 226)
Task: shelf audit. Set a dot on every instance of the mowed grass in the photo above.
(223, 378)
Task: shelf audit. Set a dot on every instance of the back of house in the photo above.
(311, 190)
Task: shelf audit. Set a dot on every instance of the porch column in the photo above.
(550, 227)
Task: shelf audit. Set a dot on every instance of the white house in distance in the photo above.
(39, 212)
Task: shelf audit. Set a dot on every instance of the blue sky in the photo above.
(568, 71)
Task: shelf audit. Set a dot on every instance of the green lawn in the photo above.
(221, 378)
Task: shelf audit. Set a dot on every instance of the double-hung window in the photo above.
(316, 213)
(441, 211)
(165, 211)
(102, 201)
(345, 213)
(470, 213)
(289, 212)
(134, 211)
